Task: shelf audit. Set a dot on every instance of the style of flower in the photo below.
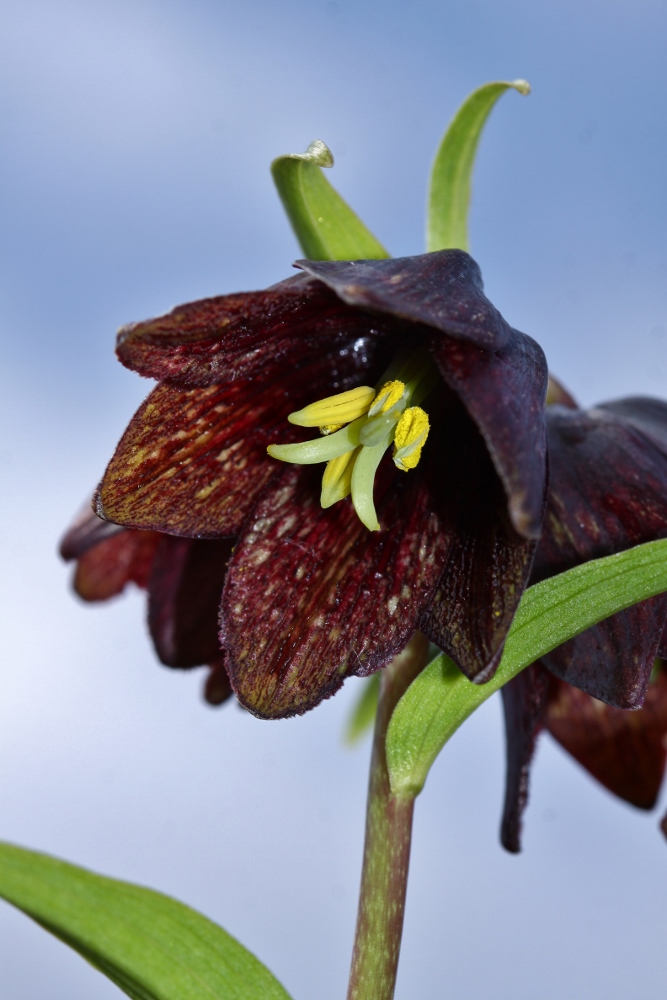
(310, 595)
(608, 492)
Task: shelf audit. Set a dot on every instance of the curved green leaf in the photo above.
(440, 699)
(150, 946)
(449, 194)
(325, 225)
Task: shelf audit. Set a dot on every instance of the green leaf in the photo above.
(325, 225)
(363, 713)
(440, 699)
(149, 945)
(449, 195)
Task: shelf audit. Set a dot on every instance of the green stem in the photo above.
(387, 849)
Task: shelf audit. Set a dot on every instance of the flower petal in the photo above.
(608, 492)
(184, 598)
(444, 290)
(218, 688)
(192, 462)
(624, 750)
(312, 596)
(504, 393)
(243, 336)
(87, 531)
(487, 563)
(524, 703)
(105, 569)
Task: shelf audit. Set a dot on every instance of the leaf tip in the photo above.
(522, 86)
(318, 153)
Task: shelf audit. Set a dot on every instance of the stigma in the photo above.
(358, 427)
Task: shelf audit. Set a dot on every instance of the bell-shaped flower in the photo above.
(608, 492)
(432, 413)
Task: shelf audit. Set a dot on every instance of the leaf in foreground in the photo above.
(550, 613)
(151, 946)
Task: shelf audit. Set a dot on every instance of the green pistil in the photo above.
(406, 383)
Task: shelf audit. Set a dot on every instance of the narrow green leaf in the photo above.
(363, 713)
(449, 195)
(150, 946)
(440, 699)
(325, 225)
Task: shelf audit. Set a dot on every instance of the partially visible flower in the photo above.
(310, 594)
(608, 492)
(183, 577)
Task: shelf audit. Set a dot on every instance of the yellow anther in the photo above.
(409, 438)
(335, 411)
(389, 394)
(337, 478)
(330, 428)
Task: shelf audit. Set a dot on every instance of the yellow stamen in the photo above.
(334, 411)
(410, 437)
(330, 428)
(388, 396)
(337, 478)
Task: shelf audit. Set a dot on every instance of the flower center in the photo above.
(358, 426)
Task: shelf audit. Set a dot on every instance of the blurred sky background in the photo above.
(135, 144)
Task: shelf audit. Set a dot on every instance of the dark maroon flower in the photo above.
(310, 594)
(183, 577)
(608, 492)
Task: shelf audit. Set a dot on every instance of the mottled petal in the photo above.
(312, 596)
(184, 598)
(487, 563)
(608, 492)
(243, 336)
(504, 393)
(524, 702)
(87, 531)
(191, 462)
(104, 570)
(443, 290)
(624, 750)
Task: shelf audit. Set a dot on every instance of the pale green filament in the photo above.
(379, 418)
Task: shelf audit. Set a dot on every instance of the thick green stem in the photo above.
(387, 848)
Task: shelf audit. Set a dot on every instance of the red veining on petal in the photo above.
(191, 462)
(248, 335)
(312, 595)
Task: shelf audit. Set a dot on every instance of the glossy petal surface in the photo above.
(486, 564)
(192, 462)
(624, 750)
(184, 599)
(243, 336)
(504, 393)
(524, 703)
(608, 492)
(105, 569)
(312, 596)
(443, 290)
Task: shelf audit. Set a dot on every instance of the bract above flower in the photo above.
(608, 492)
(311, 595)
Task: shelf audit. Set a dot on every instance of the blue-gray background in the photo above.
(136, 138)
